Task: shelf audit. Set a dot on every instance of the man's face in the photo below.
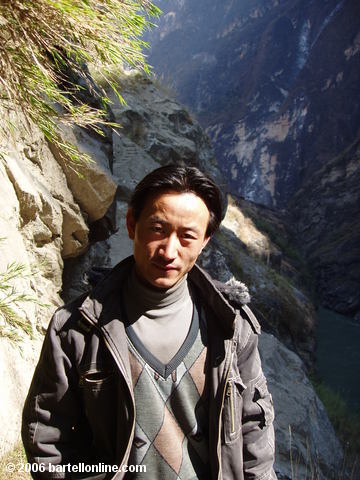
(168, 236)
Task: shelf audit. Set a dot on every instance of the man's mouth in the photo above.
(165, 268)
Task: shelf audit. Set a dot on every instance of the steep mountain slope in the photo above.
(326, 215)
(276, 85)
(267, 80)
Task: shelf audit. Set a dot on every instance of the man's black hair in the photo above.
(179, 179)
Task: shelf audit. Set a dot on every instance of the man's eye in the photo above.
(157, 228)
(189, 236)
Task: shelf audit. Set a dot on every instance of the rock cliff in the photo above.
(304, 436)
(50, 214)
(326, 209)
(46, 216)
(275, 84)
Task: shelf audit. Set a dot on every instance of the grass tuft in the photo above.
(15, 457)
(12, 302)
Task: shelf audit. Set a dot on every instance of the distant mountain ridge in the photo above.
(276, 86)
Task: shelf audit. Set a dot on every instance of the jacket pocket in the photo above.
(98, 390)
(232, 411)
(264, 400)
(97, 379)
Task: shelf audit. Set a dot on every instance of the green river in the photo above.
(338, 355)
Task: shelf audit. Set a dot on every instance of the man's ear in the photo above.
(205, 242)
(130, 224)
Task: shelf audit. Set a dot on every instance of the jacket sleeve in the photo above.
(258, 411)
(52, 409)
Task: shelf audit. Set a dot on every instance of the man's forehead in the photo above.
(188, 224)
(167, 201)
(184, 208)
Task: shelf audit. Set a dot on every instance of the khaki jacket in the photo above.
(80, 407)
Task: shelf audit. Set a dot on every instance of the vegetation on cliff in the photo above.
(40, 42)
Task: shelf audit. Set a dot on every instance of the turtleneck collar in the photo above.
(148, 298)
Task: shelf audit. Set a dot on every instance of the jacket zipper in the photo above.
(227, 389)
(219, 420)
(230, 394)
(119, 367)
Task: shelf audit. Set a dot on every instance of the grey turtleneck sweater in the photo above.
(161, 319)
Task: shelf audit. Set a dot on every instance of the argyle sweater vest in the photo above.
(171, 431)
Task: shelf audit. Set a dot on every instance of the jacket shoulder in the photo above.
(248, 315)
(68, 316)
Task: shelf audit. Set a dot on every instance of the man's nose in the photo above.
(169, 247)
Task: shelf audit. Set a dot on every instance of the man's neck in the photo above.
(149, 297)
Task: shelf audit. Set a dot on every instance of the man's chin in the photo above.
(160, 282)
(164, 283)
(164, 278)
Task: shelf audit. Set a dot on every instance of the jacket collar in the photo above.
(211, 297)
(108, 288)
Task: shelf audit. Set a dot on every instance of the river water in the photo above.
(338, 355)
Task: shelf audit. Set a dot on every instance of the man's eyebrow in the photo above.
(191, 228)
(157, 219)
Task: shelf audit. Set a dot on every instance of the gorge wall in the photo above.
(275, 85)
(46, 217)
(51, 218)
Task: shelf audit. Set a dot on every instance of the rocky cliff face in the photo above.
(305, 441)
(43, 221)
(156, 130)
(326, 217)
(275, 84)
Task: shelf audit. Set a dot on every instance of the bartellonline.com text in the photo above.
(72, 468)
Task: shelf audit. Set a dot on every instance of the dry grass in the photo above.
(14, 457)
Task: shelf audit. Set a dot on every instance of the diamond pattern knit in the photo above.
(171, 436)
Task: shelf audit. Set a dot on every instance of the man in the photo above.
(154, 367)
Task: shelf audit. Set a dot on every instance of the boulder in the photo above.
(131, 164)
(91, 183)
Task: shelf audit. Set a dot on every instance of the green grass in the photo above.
(13, 321)
(346, 423)
(347, 426)
(42, 42)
